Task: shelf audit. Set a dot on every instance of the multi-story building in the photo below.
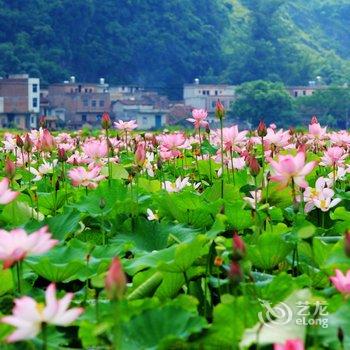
(301, 91)
(20, 105)
(125, 92)
(205, 96)
(77, 104)
(148, 109)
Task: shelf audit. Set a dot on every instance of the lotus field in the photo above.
(201, 239)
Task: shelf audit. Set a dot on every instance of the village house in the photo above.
(121, 92)
(19, 101)
(307, 90)
(205, 96)
(148, 109)
(178, 113)
(77, 104)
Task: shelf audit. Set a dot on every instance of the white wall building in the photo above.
(205, 96)
(146, 116)
(34, 95)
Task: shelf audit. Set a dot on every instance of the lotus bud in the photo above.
(253, 165)
(219, 110)
(28, 144)
(106, 121)
(262, 131)
(47, 141)
(115, 281)
(10, 168)
(238, 247)
(314, 120)
(235, 273)
(61, 154)
(19, 141)
(140, 154)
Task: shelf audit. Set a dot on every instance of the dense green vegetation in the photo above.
(158, 44)
(164, 44)
(260, 99)
(289, 41)
(263, 100)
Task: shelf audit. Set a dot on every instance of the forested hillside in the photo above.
(166, 43)
(160, 43)
(289, 40)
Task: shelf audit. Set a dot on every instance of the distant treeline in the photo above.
(163, 44)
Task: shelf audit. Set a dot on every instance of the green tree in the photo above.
(265, 100)
(331, 105)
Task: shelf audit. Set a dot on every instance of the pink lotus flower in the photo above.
(126, 126)
(171, 144)
(340, 138)
(28, 315)
(339, 174)
(320, 197)
(315, 130)
(278, 139)
(251, 200)
(151, 216)
(198, 118)
(177, 186)
(43, 169)
(17, 244)
(290, 344)
(236, 163)
(47, 141)
(87, 178)
(231, 137)
(9, 142)
(6, 195)
(77, 159)
(334, 156)
(95, 149)
(290, 168)
(341, 282)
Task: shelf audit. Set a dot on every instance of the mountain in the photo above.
(163, 44)
(289, 40)
(149, 42)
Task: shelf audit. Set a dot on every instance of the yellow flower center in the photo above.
(323, 204)
(40, 307)
(314, 192)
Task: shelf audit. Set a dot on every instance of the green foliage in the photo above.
(270, 250)
(289, 41)
(158, 44)
(164, 45)
(263, 100)
(152, 329)
(331, 105)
